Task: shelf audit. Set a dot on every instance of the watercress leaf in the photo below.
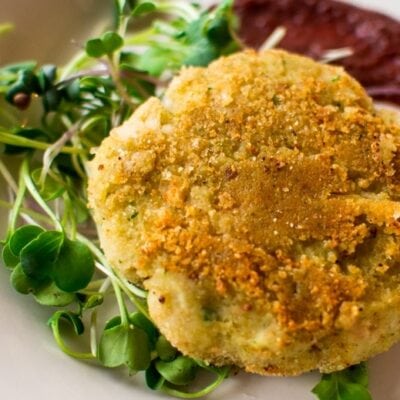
(353, 391)
(357, 374)
(153, 378)
(39, 255)
(155, 60)
(165, 350)
(140, 321)
(111, 42)
(22, 236)
(51, 189)
(218, 27)
(95, 48)
(68, 316)
(195, 30)
(218, 31)
(349, 384)
(9, 259)
(21, 282)
(180, 371)
(124, 345)
(144, 8)
(74, 266)
(201, 54)
(51, 295)
(326, 388)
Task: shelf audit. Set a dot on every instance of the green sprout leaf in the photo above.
(349, 384)
(107, 44)
(180, 371)
(115, 321)
(74, 266)
(124, 345)
(22, 236)
(15, 67)
(51, 295)
(165, 350)
(144, 8)
(38, 256)
(52, 99)
(95, 48)
(200, 54)
(154, 380)
(21, 282)
(73, 91)
(10, 260)
(111, 42)
(46, 76)
(155, 61)
(139, 320)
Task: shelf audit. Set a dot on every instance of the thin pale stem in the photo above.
(8, 138)
(54, 150)
(195, 395)
(17, 204)
(8, 177)
(36, 195)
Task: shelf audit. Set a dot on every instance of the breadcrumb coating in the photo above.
(257, 201)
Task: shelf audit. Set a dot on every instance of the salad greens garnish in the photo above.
(349, 384)
(50, 119)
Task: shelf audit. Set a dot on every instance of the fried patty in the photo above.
(257, 202)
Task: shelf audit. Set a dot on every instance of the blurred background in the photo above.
(49, 31)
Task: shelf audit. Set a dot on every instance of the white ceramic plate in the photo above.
(31, 365)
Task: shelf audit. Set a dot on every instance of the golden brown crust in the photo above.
(269, 183)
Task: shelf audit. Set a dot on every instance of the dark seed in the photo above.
(161, 299)
(21, 100)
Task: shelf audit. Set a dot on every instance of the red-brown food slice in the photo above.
(314, 26)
